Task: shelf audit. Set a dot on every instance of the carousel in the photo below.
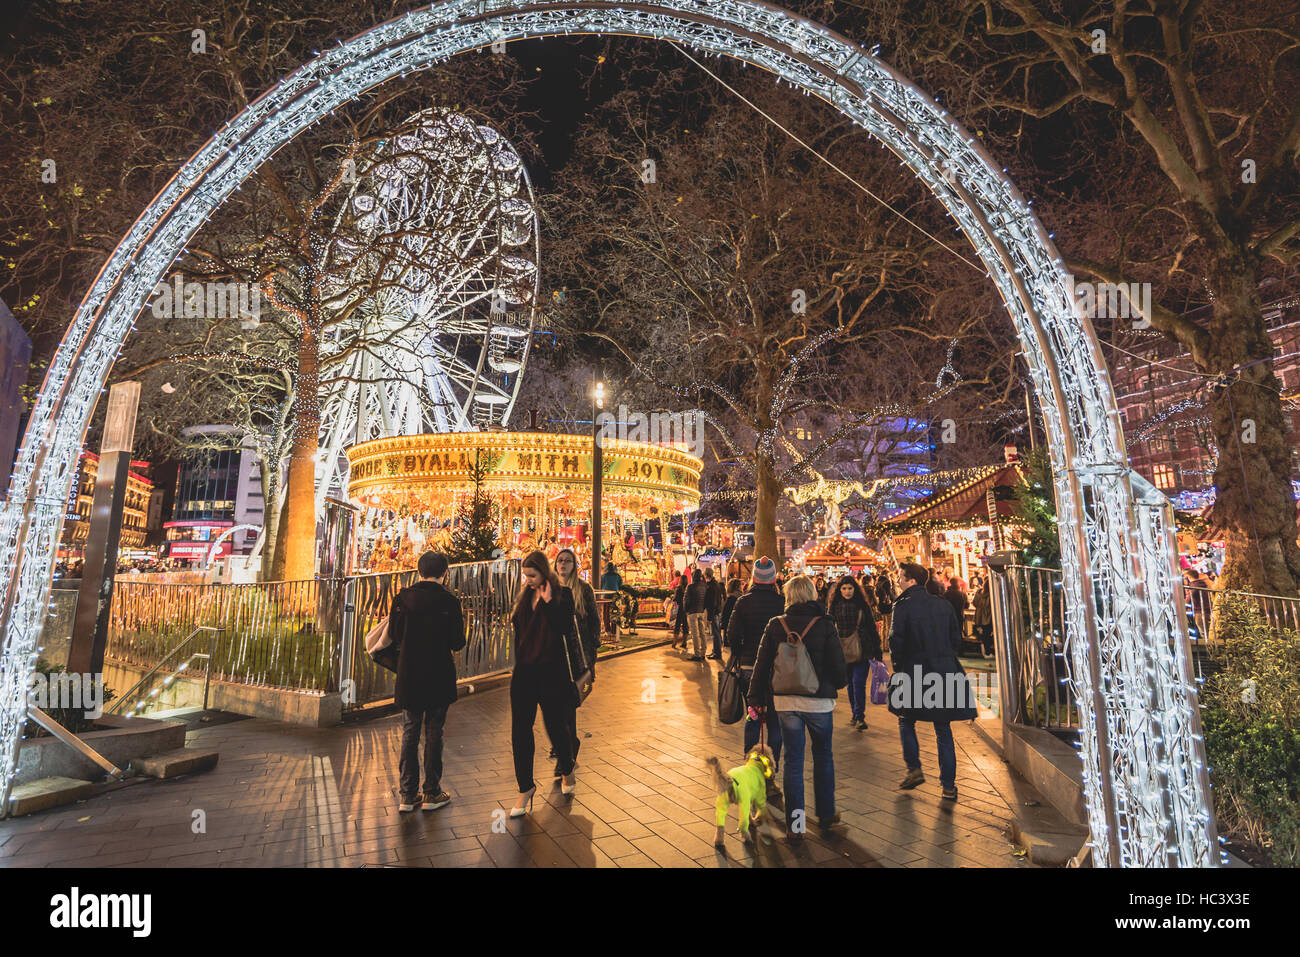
(409, 491)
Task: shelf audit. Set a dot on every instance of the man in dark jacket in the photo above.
(745, 627)
(957, 598)
(928, 683)
(804, 711)
(426, 626)
(699, 610)
(934, 585)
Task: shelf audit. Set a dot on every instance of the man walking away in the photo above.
(745, 627)
(427, 626)
(923, 643)
(715, 614)
(698, 613)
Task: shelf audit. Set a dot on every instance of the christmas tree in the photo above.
(474, 535)
(1040, 543)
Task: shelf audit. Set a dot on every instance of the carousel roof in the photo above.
(966, 505)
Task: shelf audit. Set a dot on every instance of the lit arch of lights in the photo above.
(1146, 784)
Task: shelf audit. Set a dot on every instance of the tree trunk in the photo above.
(295, 553)
(769, 495)
(271, 517)
(1253, 500)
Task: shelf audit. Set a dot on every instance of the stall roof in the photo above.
(966, 505)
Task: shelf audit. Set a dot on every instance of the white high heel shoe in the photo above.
(526, 803)
(567, 789)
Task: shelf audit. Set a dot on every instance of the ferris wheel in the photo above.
(435, 258)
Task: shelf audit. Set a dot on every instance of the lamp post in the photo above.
(597, 468)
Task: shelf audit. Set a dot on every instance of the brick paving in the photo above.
(284, 795)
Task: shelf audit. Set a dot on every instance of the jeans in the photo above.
(697, 620)
(942, 738)
(818, 726)
(858, 674)
(408, 763)
(717, 635)
(752, 728)
(550, 688)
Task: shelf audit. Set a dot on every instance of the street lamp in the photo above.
(597, 468)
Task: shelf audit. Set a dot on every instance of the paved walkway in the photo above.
(284, 795)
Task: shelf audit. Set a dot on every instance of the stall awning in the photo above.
(965, 505)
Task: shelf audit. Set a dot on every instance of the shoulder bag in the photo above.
(582, 683)
(731, 700)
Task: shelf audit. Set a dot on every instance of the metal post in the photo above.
(597, 474)
(1007, 636)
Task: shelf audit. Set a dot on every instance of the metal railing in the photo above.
(1029, 614)
(166, 678)
(304, 636)
(487, 592)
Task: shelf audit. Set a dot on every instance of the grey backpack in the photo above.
(793, 673)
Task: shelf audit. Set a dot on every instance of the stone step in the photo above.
(45, 793)
(1049, 840)
(170, 764)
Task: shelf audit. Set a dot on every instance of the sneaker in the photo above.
(695, 658)
(950, 794)
(715, 657)
(408, 804)
(434, 801)
(914, 777)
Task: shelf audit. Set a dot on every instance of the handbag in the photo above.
(731, 699)
(581, 684)
(379, 645)
(879, 682)
(793, 673)
(852, 644)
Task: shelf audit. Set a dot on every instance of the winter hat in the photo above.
(764, 571)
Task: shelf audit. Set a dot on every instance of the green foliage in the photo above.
(1040, 545)
(474, 538)
(1252, 736)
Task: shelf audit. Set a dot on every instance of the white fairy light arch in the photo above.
(1146, 784)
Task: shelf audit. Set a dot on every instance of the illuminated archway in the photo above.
(1146, 784)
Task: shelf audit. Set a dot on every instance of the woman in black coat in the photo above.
(810, 711)
(548, 660)
(588, 619)
(855, 622)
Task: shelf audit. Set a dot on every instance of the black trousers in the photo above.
(433, 720)
(550, 689)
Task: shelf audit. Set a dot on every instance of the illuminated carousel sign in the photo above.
(385, 469)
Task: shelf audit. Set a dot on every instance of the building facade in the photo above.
(1166, 412)
(217, 489)
(135, 510)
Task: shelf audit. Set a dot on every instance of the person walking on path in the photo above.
(588, 619)
(715, 613)
(885, 596)
(611, 581)
(680, 627)
(734, 591)
(804, 620)
(957, 598)
(548, 660)
(856, 624)
(923, 645)
(699, 609)
(427, 626)
(749, 618)
(983, 625)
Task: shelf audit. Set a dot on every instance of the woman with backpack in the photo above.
(799, 668)
(855, 622)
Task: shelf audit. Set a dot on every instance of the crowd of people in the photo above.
(836, 631)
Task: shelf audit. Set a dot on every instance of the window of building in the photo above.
(1163, 477)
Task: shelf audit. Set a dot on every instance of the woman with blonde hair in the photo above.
(548, 660)
(803, 709)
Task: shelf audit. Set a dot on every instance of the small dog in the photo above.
(746, 787)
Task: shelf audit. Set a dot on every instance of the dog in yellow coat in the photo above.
(746, 787)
